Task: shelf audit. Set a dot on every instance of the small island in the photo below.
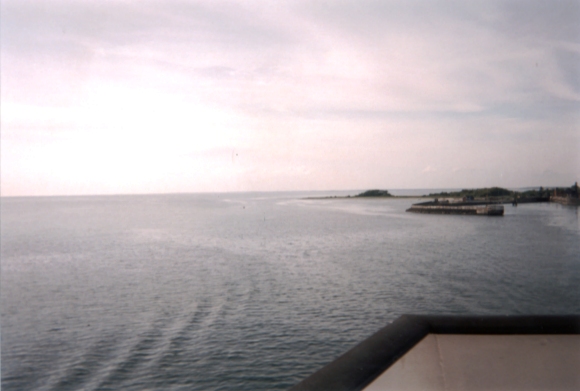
(375, 193)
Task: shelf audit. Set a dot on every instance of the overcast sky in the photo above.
(102, 97)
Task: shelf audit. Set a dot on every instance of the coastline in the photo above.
(502, 200)
(357, 197)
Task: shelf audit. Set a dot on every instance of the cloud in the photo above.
(352, 93)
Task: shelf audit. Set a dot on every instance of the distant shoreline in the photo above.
(565, 195)
(496, 200)
(365, 197)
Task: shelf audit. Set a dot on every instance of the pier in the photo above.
(458, 208)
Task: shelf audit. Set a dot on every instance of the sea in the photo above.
(252, 291)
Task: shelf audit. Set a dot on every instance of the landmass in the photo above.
(566, 195)
(375, 193)
(473, 193)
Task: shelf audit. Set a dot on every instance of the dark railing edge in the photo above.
(359, 366)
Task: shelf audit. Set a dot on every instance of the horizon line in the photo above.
(266, 191)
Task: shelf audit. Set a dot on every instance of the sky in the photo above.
(117, 97)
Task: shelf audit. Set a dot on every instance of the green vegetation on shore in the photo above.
(476, 193)
(540, 192)
(533, 195)
(375, 193)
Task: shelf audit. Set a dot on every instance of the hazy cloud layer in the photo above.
(178, 96)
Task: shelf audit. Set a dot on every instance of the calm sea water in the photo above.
(252, 291)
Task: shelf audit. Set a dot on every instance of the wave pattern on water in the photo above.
(255, 291)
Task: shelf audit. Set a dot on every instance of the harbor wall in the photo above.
(463, 208)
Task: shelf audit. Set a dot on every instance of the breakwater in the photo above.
(461, 208)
